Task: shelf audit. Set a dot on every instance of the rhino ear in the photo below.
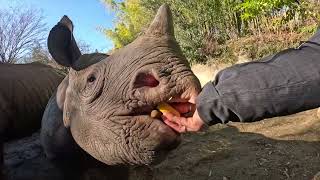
(61, 43)
(162, 24)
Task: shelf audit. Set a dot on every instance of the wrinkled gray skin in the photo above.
(103, 105)
(24, 92)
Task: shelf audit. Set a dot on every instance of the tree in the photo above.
(40, 54)
(84, 47)
(131, 19)
(257, 8)
(20, 31)
(204, 27)
(197, 23)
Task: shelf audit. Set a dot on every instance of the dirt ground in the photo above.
(278, 148)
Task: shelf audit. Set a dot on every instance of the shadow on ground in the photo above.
(278, 148)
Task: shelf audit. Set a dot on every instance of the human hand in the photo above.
(183, 124)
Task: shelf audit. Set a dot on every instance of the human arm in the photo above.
(282, 84)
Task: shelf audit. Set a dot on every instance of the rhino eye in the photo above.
(91, 79)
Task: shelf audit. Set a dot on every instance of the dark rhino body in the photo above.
(24, 92)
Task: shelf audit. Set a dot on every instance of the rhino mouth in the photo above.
(182, 106)
(152, 88)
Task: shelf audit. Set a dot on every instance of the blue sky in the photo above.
(87, 16)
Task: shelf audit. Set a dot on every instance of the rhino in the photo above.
(103, 106)
(24, 92)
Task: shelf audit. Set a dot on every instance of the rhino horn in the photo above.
(162, 24)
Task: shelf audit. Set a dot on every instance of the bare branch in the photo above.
(20, 31)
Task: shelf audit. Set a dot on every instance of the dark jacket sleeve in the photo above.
(281, 84)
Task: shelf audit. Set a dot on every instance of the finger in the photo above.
(175, 119)
(193, 98)
(168, 116)
(175, 126)
(171, 119)
(172, 122)
(188, 124)
(191, 129)
(191, 124)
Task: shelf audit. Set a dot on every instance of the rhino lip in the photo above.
(175, 101)
(147, 108)
(174, 98)
(186, 109)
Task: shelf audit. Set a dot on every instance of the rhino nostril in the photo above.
(145, 80)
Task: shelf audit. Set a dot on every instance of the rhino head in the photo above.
(108, 99)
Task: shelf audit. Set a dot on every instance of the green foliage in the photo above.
(310, 29)
(131, 19)
(200, 26)
(255, 8)
(205, 28)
